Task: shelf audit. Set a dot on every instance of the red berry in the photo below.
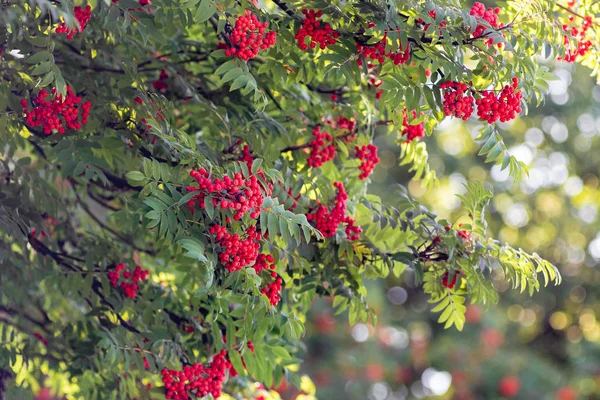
(509, 386)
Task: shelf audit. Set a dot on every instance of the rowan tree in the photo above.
(181, 179)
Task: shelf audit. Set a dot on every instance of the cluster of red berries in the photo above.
(237, 194)
(248, 37)
(412, 131)
(489, 15)
(58, 114)
(236, 252)
(584, 45)
(504, 107)
(327, 221)
(160, 84)
(457, 101)
(197, 381)
(462, 233)
(368, 156)
(376, 83)
(343, 123)
(135, 276)
(49, 224)
(273, 290)
(82, 15)
(452, 283)
(319, 33)
(322, 148)
(376, 52)
(265, 262)
(246, 156)
(433, 15)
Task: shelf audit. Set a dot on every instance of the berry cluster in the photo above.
(412, 131)
(236, 252)
(322, 148)
(82, 15)
(160, 84)
(457, 101)
(452, 283)
(135, 276)
(248, 37)
(462, 233)
(376, 83)
(246, 156)
(433, 15)
(237, 194)
(489, 15)
(343, 123)
(505, 107)
(318, 33)
(376, 52)
(272, 291)
(327, 221)
(368, 156)
(49, 224)
(584, 45)
(197, 381)
(265, 262)
(58, 114)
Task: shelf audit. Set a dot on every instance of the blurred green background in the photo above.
(544, 347)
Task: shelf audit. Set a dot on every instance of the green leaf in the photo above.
(135, 176)
(206, 10)
(39, 57)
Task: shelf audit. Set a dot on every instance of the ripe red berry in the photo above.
(509, 386)
(138, 100)
(566, 393)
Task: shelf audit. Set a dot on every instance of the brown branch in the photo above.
(107, 228)
(576, 14)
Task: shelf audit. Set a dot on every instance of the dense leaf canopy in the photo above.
(181, 180)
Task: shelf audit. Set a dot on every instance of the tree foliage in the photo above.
(234, 176)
